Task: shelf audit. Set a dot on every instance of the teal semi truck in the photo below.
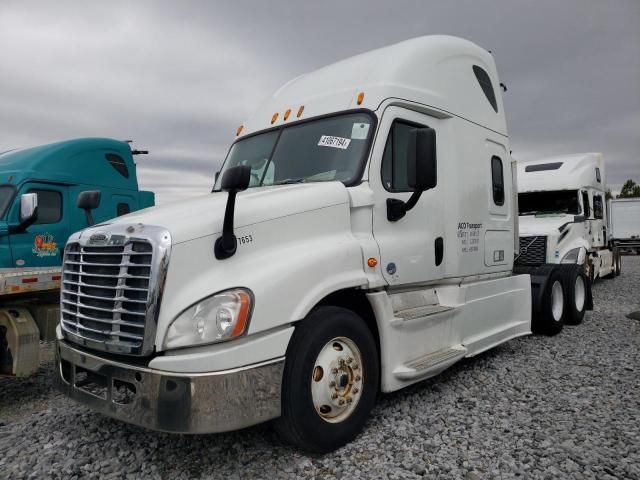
(46, 194)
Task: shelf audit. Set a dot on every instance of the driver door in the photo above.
(42, 244)
(412, 248)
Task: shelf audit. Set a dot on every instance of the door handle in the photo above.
(439, 250)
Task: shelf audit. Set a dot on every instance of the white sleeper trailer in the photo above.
(624, 224)
(562, 211)
(360, 237)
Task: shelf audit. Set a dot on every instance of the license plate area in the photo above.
(103, 387)
(91, 382)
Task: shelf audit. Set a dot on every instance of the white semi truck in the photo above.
(624, 224)
(563, 217)
(360, 238)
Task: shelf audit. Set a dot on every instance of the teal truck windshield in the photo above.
(326, 149)
(539, 203)
(6, 194)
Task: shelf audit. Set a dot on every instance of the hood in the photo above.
(202, 216)
(542, 224)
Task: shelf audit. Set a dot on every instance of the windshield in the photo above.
(6, 195)
(560, 201)
(322, 150)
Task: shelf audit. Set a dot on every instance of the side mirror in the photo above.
(87, 201)
(579, 219)
(421, 168)
(215, 180)
(234, 180)
(421, 171)
(28, 213)
(28, 208)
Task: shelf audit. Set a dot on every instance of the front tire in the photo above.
(330, 380)
(550, 319)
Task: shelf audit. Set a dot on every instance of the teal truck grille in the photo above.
(105, 294)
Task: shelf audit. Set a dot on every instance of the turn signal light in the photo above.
(372, 262)
(360, 98)
(300, 110)
(286, 114)
(274, 118)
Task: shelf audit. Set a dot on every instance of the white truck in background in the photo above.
(359, 238)
(624, 224)
(563, 219)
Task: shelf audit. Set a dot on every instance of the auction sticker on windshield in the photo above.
(335, 142)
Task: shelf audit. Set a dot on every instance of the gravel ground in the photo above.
(537, 407)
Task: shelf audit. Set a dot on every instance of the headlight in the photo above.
(575, 255)
(215, 319)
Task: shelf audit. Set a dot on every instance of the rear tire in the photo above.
(576, 287)
(330, 380)
(550, 318)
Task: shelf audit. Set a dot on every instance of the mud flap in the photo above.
(20, 343)
(539, 276)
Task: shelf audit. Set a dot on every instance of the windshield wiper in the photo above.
(289, 181)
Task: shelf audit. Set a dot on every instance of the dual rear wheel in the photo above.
(564, 300)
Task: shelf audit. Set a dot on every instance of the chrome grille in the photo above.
(533, 251)
(110, 290)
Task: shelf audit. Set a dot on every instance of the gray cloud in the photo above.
(178, 77)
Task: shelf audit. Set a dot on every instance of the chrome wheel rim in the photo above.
(337, 380)
(580, 293)
(557, 301)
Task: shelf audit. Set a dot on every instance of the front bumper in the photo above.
(167, 401)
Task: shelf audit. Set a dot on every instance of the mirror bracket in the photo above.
(396, 209)
(22, 226)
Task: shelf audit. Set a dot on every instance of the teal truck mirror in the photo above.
(28, 212)
(28, 208)
(89, 200)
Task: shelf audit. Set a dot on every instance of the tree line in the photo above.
(630, 189)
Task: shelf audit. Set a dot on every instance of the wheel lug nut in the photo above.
(356, 390)
(334, 396)
(349, 360)
(349, 399)
(332, 383)
(358, 378)
(334, 370)
(341, 401)
(355, 366)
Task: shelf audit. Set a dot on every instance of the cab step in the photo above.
(430, 364)
(418, 313)
(421, 312)
(415, 306)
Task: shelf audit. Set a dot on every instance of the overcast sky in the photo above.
(179, 77)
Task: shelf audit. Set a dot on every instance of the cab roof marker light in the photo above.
(239, 130)
(360, 98)
(286, 114)
(300, 110)
(274, 118)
